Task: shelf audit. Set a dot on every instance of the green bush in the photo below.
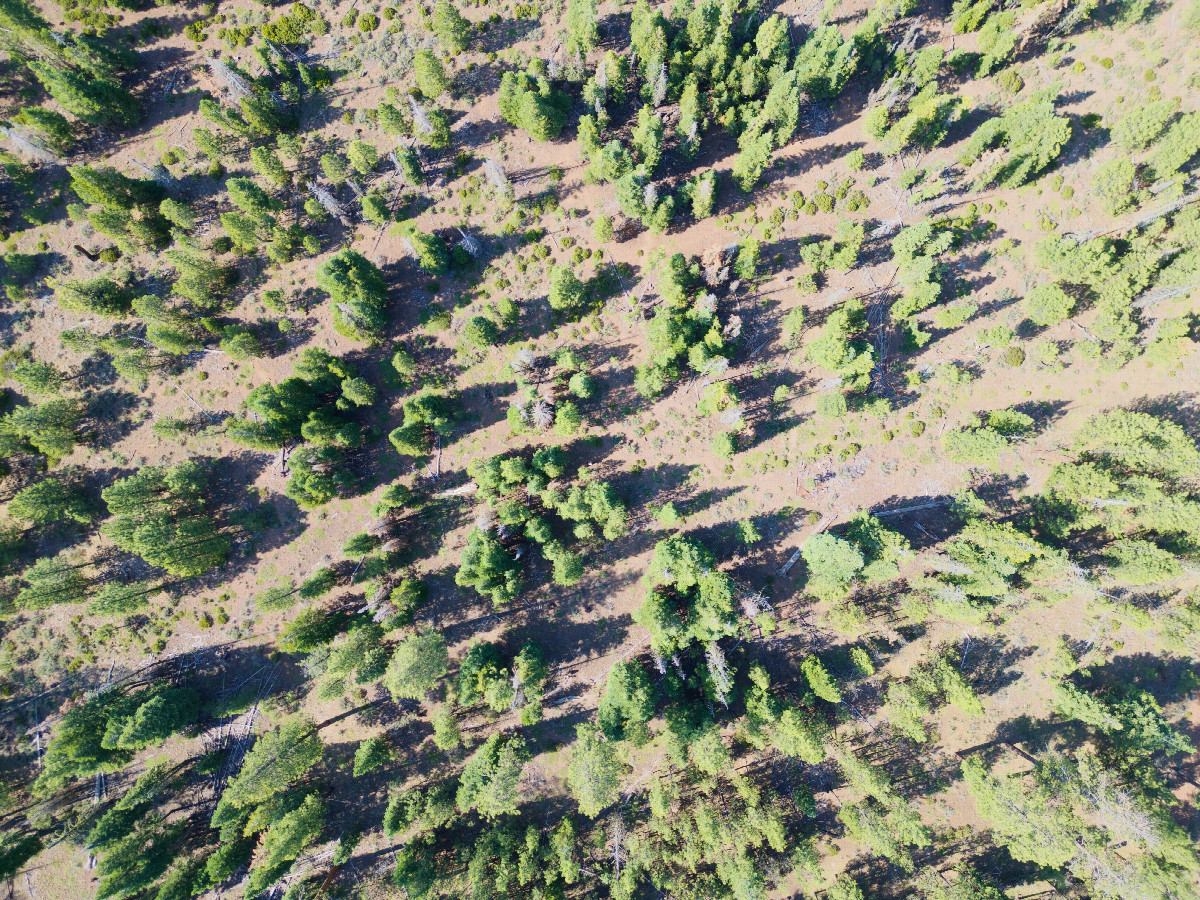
(724, 445)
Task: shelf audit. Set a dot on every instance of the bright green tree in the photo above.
(489, 779)
(418, 664)
(594, 772)
(430, 75)
(451, 28)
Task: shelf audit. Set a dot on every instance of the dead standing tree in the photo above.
(237, 86)
(329, 204)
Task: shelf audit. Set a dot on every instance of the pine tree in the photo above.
(489, 568)
(53, 499)
(37, 377)
(50, 427)
(627, 703)
(845, 888)
(418, 664)
(137, 860)
(370, 755)
(648, 138)
(114, 599)
(1139, 442)
(430, 75)
(410, 167)
(825, 63)
(51, 127)
(284, 842)
(489, 779)
(55, 579)
(162, 515)
(1029, 824)
(99, 296)
(77, 751)
(451, 28)
(851, 360)
(967, 884)
(363, 157)
(833, 565)
(430, 251)
(267, 163)
(1032, 134)
(683, 571)
(178, 214)
(819, 679)
(151, 717)
(359, 293)
(593, 773)
(567, 293)
(701, 192)
(1139, 563)
(888, 834)
(531, 104)
(277, 760)
(335, 168)
(96, 101)
(752, 161)
(1048, 304)
(582, 33)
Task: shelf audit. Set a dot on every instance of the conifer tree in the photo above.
(267, 163)
(96, 101)
(451, 28)
(53, 499)
(410, 166)
(627, 703)
(489, 779)
(1031, 133)
(594, 773)
(55, 579)
(419, 662)
(98, 296)
(430, 75)
(163, 516)
(752, 161)
(278, 759)
(17, 849)
(77, 750)
(648, 138)
(359, 294)
(50, 427)
(582, 33)
(567, 293)
(51, 127)
(489, 568)
(363, 157)
(284, 842)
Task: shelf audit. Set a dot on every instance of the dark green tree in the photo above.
(489, 568)
(627, 703)
(164, 516)
(359, 295)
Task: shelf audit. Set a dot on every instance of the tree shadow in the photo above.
(991, 662)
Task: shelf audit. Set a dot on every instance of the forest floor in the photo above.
(654, 452)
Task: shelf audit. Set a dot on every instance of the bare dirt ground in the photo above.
(655, 452)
